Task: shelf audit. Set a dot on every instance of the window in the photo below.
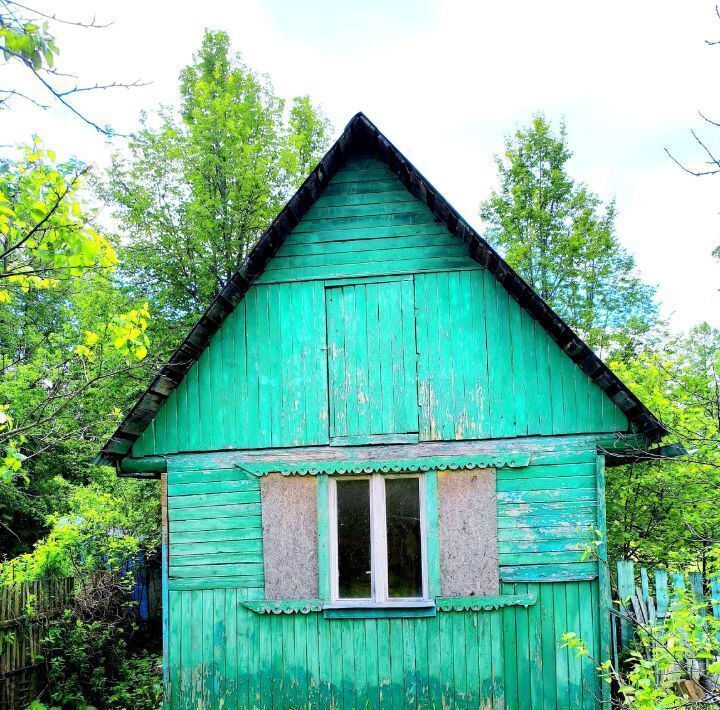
(378, 540)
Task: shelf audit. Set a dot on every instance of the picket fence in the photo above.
(26, 610)
(638, 604)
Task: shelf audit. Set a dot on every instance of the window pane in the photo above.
(402, 497)
(353, 536)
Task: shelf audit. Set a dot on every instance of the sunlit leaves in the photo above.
(46, 231)
(56, 287)
(30, 42)
(663, 654)
(128, 333)
(668, 511)
(107, 523)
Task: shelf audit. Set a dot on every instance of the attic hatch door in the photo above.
(372, 362)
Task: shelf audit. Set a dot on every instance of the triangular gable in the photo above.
(297, 241)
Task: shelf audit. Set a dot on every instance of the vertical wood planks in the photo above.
(227, 656)
(452, 347)
(22, 671)
(323, 515)
(432, 533)
(605, 594)
(486, 369)
(260, 382)
(371, 359)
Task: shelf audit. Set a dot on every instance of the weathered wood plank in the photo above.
(550, 573)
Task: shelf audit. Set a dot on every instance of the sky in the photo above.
(446, 81)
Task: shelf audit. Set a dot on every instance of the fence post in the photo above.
(645, 586)
(21, 675)
(715, 598)
(678, 584)
(696, 587)
(626, 588)
(662, 594)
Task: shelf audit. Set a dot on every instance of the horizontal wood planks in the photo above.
(365, 223)
(546, 519)
(488, 370)
(215, 530)
(223, 655)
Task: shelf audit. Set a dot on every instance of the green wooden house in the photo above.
(382, 457)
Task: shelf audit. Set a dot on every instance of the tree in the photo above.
(45, 235)
(561, 239)
(666, 511)
(70, 338)
(58, 340)
(196, 191)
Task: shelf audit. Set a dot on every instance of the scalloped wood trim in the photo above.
(309, 606)
(298, 606)
(414, 465)
(484, 603)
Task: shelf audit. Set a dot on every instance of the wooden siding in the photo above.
(215, 527)
(488, 370)
(223, 655)
(261, 382)
(366, 224)
(485, 369)
(547, 514)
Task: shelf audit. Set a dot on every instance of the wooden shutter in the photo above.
(372, 361)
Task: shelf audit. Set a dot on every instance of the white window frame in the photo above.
(378, 545)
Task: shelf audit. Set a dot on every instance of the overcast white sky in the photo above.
(446, 80)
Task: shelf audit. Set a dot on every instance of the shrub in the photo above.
(673, 663)
(139, 686)
(83, 660)
(89, 655)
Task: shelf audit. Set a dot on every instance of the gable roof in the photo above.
(362, 136)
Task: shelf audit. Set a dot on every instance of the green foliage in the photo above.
(26, 41)
(139, 686)
(82, 660)
(103, 524)
(664, 659)
(200, 184)
(88, 666)
(665, 511)
(46, 232)
(65, 325)
(561, 239)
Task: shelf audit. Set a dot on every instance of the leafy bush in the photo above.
(673, 663)
(89, 665)
(140, 684)
(90, 652)
(83, 660)
(104, 524)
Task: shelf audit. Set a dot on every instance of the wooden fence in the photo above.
(642, 601)
(25, 612)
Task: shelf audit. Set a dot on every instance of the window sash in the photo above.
(378, 543)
